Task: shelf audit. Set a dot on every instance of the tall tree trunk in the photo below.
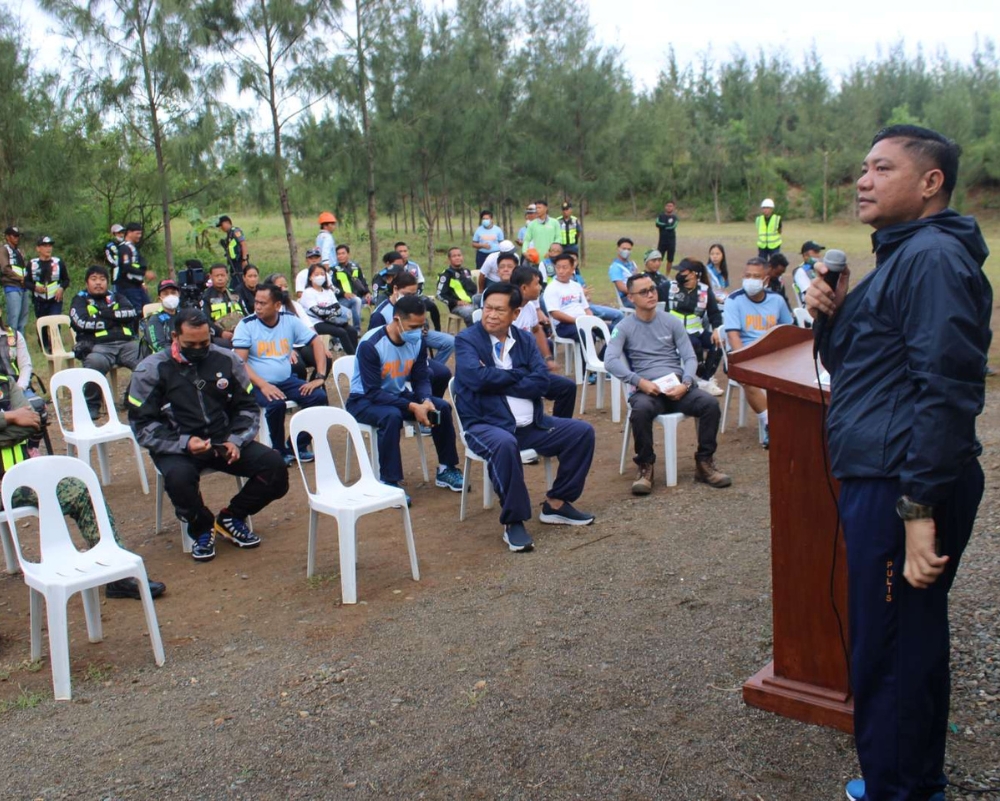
(406, 223)
(715, 199)
(413, 210)
(461, 216)
(826, 180)
(447, 211)
(369, 140)
(279, 161)
(395, 221)
(631, 194)
(427, 204)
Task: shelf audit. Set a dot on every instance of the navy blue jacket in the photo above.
(907, 355)
(481, 389)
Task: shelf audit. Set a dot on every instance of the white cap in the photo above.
(117, 229)
(506, 246)
(767, 203)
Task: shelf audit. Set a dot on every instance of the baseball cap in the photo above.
(810, 245)
(567, 205)
(117, 228)
(12, 230)
(767, 203)
(651, 254)
(313, 252)
(166, 283)
(45, 240)
(506, 245)
(531, 208)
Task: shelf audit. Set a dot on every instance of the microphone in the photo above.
(836, 263)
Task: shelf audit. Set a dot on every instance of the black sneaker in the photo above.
(203, 549)
(129, 588)
(235, 530)
(565, 515)
(517, 537)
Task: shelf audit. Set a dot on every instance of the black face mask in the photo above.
(194, 355)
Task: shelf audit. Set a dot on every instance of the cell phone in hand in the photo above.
(434, 417)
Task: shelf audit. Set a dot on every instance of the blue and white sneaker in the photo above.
(236, 531)
(449, 478)
(517, 537)
(565, 515)
(203, 549)
(306, 456)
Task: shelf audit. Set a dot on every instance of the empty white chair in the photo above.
(528, 456)
(85, 433)
(62, 570)
(186, 542)
(585, 326)
(730, 386)
(346, 504)
(9, 555)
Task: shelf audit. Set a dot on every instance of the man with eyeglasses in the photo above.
(651, 352)
(500, 380)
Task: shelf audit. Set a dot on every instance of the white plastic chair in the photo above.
(802, 318)
(585, 326)
(477, 315)
(528, 456)
(263, 432)
(186, 542)
(669, 423)
(9, 555)
(85, 433)
(571, 349)
(63, 570)
(57, 355)
(621, 302)
(346, 504)
(730, 386)
(151, 308)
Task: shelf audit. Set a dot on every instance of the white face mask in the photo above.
(753, 286)
(318, 280)
(170, 302)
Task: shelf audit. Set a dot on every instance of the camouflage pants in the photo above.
(75, 503)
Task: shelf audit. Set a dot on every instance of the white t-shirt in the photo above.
(489, 269)
(522, 408)
(567, 298)
(322, 298)
(301, 279)
(527, 319)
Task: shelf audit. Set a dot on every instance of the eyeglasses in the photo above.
(649, 290)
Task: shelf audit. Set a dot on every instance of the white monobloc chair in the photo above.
(730, 386)
(477, 315)
(802, 318)
(585, 326)
(263, 432)
(346, 504)
(85, 433)
(528, 456)
(670, 422)
(9, 554)
(63, 570)
(186, 542)
(571, 351)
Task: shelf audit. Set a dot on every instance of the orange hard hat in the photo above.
(327, 217)
(532, 255)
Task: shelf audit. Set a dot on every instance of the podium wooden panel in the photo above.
(808, 679)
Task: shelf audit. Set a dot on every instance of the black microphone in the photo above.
(836, 263)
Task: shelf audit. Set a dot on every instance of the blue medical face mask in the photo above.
(625, 253)
(412, 337)
(487, 223)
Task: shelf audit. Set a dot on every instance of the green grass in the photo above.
(27, 699)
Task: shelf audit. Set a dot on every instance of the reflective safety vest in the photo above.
(8, 354)
(456, 286)
(93, 311)
(569, 230)
(222, 307)
(10, 455)
(693, 319)
(16, 260)
(47, 290)
(234, 254)
(768, 235)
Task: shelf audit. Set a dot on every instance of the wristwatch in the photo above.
(688, 382)
(320, 376)
(908, 509)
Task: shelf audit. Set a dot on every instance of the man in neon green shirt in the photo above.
(543, 230)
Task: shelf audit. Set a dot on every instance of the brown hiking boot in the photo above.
(707, 473)
(643, 484)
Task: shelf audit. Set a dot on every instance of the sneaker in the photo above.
(707, 473)
(766, 440)
(425, 431)
(289, 459)
(855, 789)
(306, 456)
(235, 530)
(203, 549)
(643, 484)
(129, 588)
(529, 457)
(409, 501)
(565, 515)
(449, 478)
(712, 388)
(517, 537)
(592, 379)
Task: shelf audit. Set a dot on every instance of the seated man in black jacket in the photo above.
(223, 306)
(105, 325)
(693, 302)
(191, 407)
(456, 287)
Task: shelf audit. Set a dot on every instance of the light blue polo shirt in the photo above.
(270, 347)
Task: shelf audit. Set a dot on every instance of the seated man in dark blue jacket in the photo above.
(391, 383)
(500, 380)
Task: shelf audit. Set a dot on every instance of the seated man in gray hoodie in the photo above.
(651, 352)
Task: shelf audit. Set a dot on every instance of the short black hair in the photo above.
(777, 260)
(390, 257)
(625, 239)
(452, 249)
(253, 267)
(343, 247)
(96, 269)
(510, 255)
(630, 281)
(404, 279)
(408, 306)
(400, 245)
(277, 296)
(133, 226)
(564, 256)
(930, 146)
(485, 212)
(218, 266)
(192, 318)
(523, 276)
(504, 288)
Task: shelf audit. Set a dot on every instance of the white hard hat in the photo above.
(767, 203)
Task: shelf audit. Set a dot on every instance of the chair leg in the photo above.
(186, 542)
(8, 548)
(152, 626)
(465, 483)
(547, 461)
(410, 547)
(35, 613)
(376, 466)
(159, 502)
(347, 462)
(725, 408)
(743, 408)
(348, 559)
(578, 363)
(600, 390)
(487, 487)
(423, 454)
(92, 612)
(670, 451)
(616, 400)
(583, 393)
(311, 545)
(102, 461)
(55, 612)
(142, 468)
(628, 425)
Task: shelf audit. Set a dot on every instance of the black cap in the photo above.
(810, 245)
(133, 226)
(45, 240)
(166, 283)
(12, 230)
(313, 252)
(222, 219)
(567, 205)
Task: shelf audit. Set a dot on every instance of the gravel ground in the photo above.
(607, 664)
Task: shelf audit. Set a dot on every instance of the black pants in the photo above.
(264, 467)
(646, 408)
(707, 354)
(344, 334)
(434, 312)
(562, 393)
(668, 246)
(440, 376)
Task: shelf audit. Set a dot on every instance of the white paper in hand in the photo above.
(668, 381)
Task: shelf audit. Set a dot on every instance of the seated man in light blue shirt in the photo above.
(621, 269)
(749, 313)
(264, 342)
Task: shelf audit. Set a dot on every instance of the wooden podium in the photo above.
(808, 679)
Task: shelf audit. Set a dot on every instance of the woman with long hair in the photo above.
(717, 272)
(326, 315)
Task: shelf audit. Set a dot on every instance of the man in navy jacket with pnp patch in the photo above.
(906, 351)
(500, 379)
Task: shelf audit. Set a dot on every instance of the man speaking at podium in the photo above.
(907, 351)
